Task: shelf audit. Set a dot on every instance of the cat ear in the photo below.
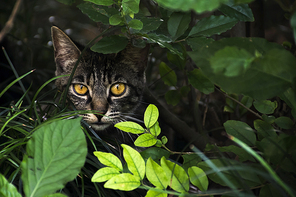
(135, 57)
(65, 51)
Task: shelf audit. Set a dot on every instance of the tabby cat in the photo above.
(110, 84)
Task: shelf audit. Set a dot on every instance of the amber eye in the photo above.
(80, 89)
(118, 89)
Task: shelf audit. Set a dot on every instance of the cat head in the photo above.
(111, 84)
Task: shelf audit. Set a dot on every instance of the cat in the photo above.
(111, 84)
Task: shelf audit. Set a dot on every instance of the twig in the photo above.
(9, 24)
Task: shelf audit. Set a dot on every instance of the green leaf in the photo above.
(275, 65)
(136, 24)
(198, 178)
(145, 140)
(284, 122)
(156, 175)
(265, 106)
(90, 10)
(172, 97)
(155, 129)
(108, 159)
(67, 2)
(130, 7)
(151, 115)
(102, 2)
(190, 160)
(178, 23)
(124, 182)
(177, 176)
(55, 195)
(212, 25)
(115, 19)
(176, 60)
(168, 75)
(289, 97)
(240, 130)
(7, 189)
(264, 129)
(242, 12)
(237, 173)
(199, 81)
(149, 23)
(110, 44)
(240, 152)
(270, 191)
(155, 153)
(134, 160)
(55, 154)
(198, 42)
(130, 127)
(186, 5)
(231, 61)
(247, 102)
(152, 193)
(104, 174)
(293, 24)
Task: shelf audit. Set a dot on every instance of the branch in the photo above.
(9, 24)
(178, 125)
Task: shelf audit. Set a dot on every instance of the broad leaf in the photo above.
(124, 182)
(151, 115)
(264, 129)
(67, 2)
(145, 140)
(155, 129)
(149, 23)
(242, 12)
(176, 60)
(172, 97)
(115, 19)
(134, 160)
(55, 154)
(289, 97)
(284, 122)
(178, 24)
(177, 176)
(168, 75)
(155, 153)
(198, 178)
(240, 130)
(152, 193)
(110, 44)
(156, 175)
(7, 189)
(212, 25)
(198, 42)
(136, 24)
(90, 10)
(104, 174)
(265, 106)
(190, 160)
(109, 159)
(198, 80)
(293, 24)
(130, 127)
(102, 2)
(130, 7)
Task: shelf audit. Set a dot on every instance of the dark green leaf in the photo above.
(268, 119)
(289, 97)
(265, 106)
(149, 23)
(67, 2)
(231, 61)
(242, 12)
(145, 140)
(284, 122)
(155, 153)
(115, 19)
(240, 152)
(212, 25)
(198, 80)
(135, 24)
(124, 182)
(264, 129)
(130, 7)
(55, 154)
(102, 2)
(176, 60)
(179, 180)
(90, 10)
(293, 24)
(110, 44)
(168, 76)
(190, 160)
(7, 189)
(270, 191)
(172, 97)
(198, 42)
(247, 102)
(240, 130)
(178, 24)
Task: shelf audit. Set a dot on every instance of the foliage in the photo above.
(255, 76)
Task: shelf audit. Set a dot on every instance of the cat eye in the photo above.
(118, 89)
(80, 89)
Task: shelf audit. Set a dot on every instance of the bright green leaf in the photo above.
(109, 159)
(136, 24)
(212, 25)
(198, 178)
(177, 176)
(156, 175)
(7, 189)
(199, 81)
(134, 160)
(155, 129)
(124, 182)
(115, 19)
(145, 140)
(231, 61)
(178, 23)
(102, 2)
(104, 174)
(152, 193)
(265, 106)
(151, 115)
(55, 195)
(110, 44)
(130, 7)
(61, 143)
(164, 140)
(168, 75)
(284, 122)
(240, 130)
(130, 127)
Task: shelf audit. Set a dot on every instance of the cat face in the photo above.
(110, 84)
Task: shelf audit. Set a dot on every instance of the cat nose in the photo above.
(101, 107)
